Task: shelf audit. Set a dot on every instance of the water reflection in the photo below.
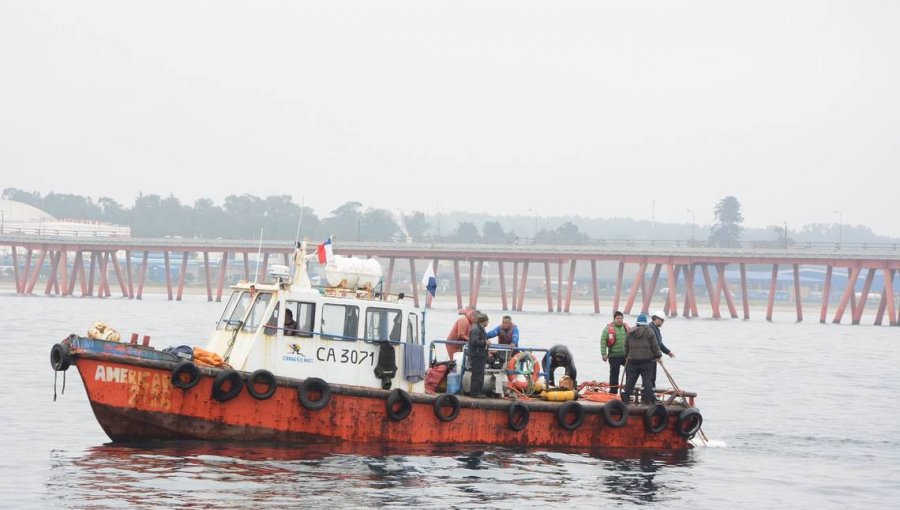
(212, 475)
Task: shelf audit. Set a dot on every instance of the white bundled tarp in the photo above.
(353, 273)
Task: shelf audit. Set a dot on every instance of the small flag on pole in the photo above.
(325, 251)
(429, 281)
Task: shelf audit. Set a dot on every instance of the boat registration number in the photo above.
(351, 356)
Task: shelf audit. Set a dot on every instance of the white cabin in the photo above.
(338, 333)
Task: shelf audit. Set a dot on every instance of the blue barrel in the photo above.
(453, 383)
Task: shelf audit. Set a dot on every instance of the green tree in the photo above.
(244, 215)
(144, 216)
(310, 225)
(112, 211)
(467, 232)
(416, 225)
(493, 233)
(28, 197)
(68, 206)
(567, 233)
(378, 225)
(345, 222)
(281, 215)
(727, 230)
(207, 220)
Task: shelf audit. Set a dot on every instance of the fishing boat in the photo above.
(344, 363)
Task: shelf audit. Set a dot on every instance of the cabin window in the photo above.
(412, 329)
(302, 314)
(255, 317)
(272, 325)
(383, 324)
(238, 310)
(229, 309)
(340, 321)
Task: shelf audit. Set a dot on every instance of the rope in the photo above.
(231, 342)
(518, 394)
(683, 398)
(63, 392)
(596, 391)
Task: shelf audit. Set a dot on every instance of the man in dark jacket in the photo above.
(656, 322)
(561, 357)
(641, 353)
(478, 355)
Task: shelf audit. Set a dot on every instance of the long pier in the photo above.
(92, 267)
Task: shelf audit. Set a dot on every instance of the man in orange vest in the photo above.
(612, 348)
(460, 331)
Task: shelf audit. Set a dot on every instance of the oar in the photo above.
(672, 382)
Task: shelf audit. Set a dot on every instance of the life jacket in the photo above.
(611, 337)
(207, 358)
(505, 336)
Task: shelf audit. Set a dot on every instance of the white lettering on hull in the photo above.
(112, 374)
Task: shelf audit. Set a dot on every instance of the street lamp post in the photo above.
(693, 221)
(840, 227)
(534, 214)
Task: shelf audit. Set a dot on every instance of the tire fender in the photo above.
(562, 415)
(231, 376)
(612, 408)
(314, 384)
(185, 368)
(398, 396)
(261, 376)
(443, 401)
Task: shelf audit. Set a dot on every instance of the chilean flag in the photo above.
(429, 281)
(325, 251)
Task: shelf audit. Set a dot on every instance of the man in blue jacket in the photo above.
(507, 332)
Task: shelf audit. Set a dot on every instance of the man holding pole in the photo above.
(656, 322)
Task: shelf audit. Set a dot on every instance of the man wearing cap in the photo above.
(478, 355)
(641, 354)
(460, 331)
(656, 322)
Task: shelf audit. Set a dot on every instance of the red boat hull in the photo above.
(134, 400)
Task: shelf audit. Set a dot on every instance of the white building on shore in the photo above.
(21, 218)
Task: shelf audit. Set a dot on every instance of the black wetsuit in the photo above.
(561, 357)
(478, 356)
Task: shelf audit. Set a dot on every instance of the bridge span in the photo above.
(841, 274)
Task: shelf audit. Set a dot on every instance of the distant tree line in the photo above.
(242, 217)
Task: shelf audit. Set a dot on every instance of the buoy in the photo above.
(558, 395)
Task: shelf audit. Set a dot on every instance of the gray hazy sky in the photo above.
(594, 108)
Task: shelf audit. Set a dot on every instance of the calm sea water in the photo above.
(802, 416)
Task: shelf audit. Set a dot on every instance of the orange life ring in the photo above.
(512, 368)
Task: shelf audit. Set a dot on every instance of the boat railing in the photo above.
(508, 351)
(302, 333)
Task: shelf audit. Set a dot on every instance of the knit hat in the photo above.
(642, 319)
